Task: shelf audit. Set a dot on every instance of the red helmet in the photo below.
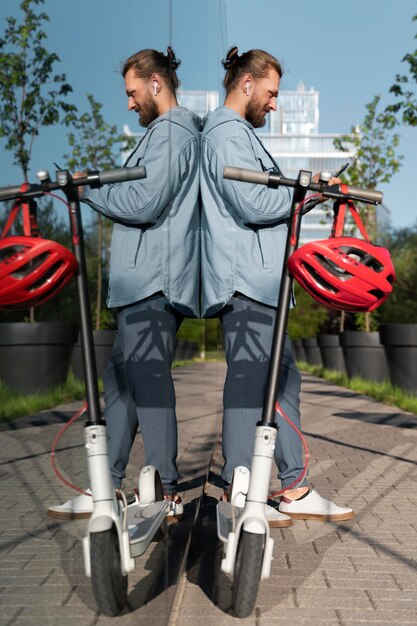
(32, 270)
(344, 272)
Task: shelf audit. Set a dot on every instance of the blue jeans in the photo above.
(248, 328)
(139, 390)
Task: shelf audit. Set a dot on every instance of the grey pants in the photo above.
(248, 329)
(138, 388)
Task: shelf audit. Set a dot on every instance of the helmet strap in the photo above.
(339, 209)
(29, 215)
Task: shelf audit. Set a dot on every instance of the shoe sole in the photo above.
(340, 517)
(68, 515)
(173, 519)
(280, 523)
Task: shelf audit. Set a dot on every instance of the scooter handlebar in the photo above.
(122, 175)
(9, 192)
(367, 195)
(106, 177)
(245, 175)
(272, 179)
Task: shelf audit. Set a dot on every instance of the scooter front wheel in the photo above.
(247, 573)
(109, 584)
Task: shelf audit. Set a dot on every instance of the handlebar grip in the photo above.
(6, 192)
(367, 195)
(122, 175)
(245, 175)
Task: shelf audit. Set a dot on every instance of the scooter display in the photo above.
(241, 523)
(117, 532)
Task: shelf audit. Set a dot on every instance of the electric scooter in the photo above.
(117, 532)
(241, 523)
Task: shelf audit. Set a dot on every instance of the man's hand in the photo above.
(332, 181)
(79, 175)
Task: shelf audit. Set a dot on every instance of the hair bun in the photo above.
(173, 61)
(231, 58)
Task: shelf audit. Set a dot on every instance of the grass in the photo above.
(14, 404)
(382, 392)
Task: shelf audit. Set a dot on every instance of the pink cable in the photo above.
(55, 443)
(307, 454)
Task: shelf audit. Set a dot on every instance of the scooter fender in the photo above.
(228, 562)
(103, 520)
(253, 522)
(267, 560)
(100, 523)
(127, 562)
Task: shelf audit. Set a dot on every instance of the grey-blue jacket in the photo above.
(155, 240)
(244, 226)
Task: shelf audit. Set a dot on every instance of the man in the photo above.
(244, 229)
(154, 274)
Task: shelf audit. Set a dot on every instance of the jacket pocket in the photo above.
(265, 247)
(131, 248)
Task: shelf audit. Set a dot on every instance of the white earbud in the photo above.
(247, 88)
(155, 87)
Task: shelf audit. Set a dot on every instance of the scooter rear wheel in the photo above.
(109, 584)
(247, 573)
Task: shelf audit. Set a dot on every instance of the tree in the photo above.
(308, 317)
(375, 162)
(405, 107)
(401, 306)
(96, 145)
(31, 94)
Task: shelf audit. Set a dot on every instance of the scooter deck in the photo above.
(143, 522)
(227, 518)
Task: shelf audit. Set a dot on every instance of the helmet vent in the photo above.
(319, 280)
(47, 276)
(6, 254)
(333, 268)
(364, 258)
(30, 267)
(377, 293)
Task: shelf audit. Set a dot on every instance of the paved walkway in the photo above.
(361, 572)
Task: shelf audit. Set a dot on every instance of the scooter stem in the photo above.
(86, 332)
(280, 328)
(262, 459)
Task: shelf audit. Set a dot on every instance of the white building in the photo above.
(293, 139)
(292, 136)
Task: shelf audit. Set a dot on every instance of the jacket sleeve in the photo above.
(255, 204)
(143, 201)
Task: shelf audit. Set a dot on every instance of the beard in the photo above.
(148, 112)
(254, 113)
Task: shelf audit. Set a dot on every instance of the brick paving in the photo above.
(363, 571)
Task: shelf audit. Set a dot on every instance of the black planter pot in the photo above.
(35, 356)
(331, 352)
(364, 355)
(103, 345)
(312, 351)
(400, 344)
(299, 352)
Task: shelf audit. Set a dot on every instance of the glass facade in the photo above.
(292, 136)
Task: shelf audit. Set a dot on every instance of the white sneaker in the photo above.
(80, 507)
(313, 506)
(276, 519)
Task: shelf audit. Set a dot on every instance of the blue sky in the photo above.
(348, 51)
